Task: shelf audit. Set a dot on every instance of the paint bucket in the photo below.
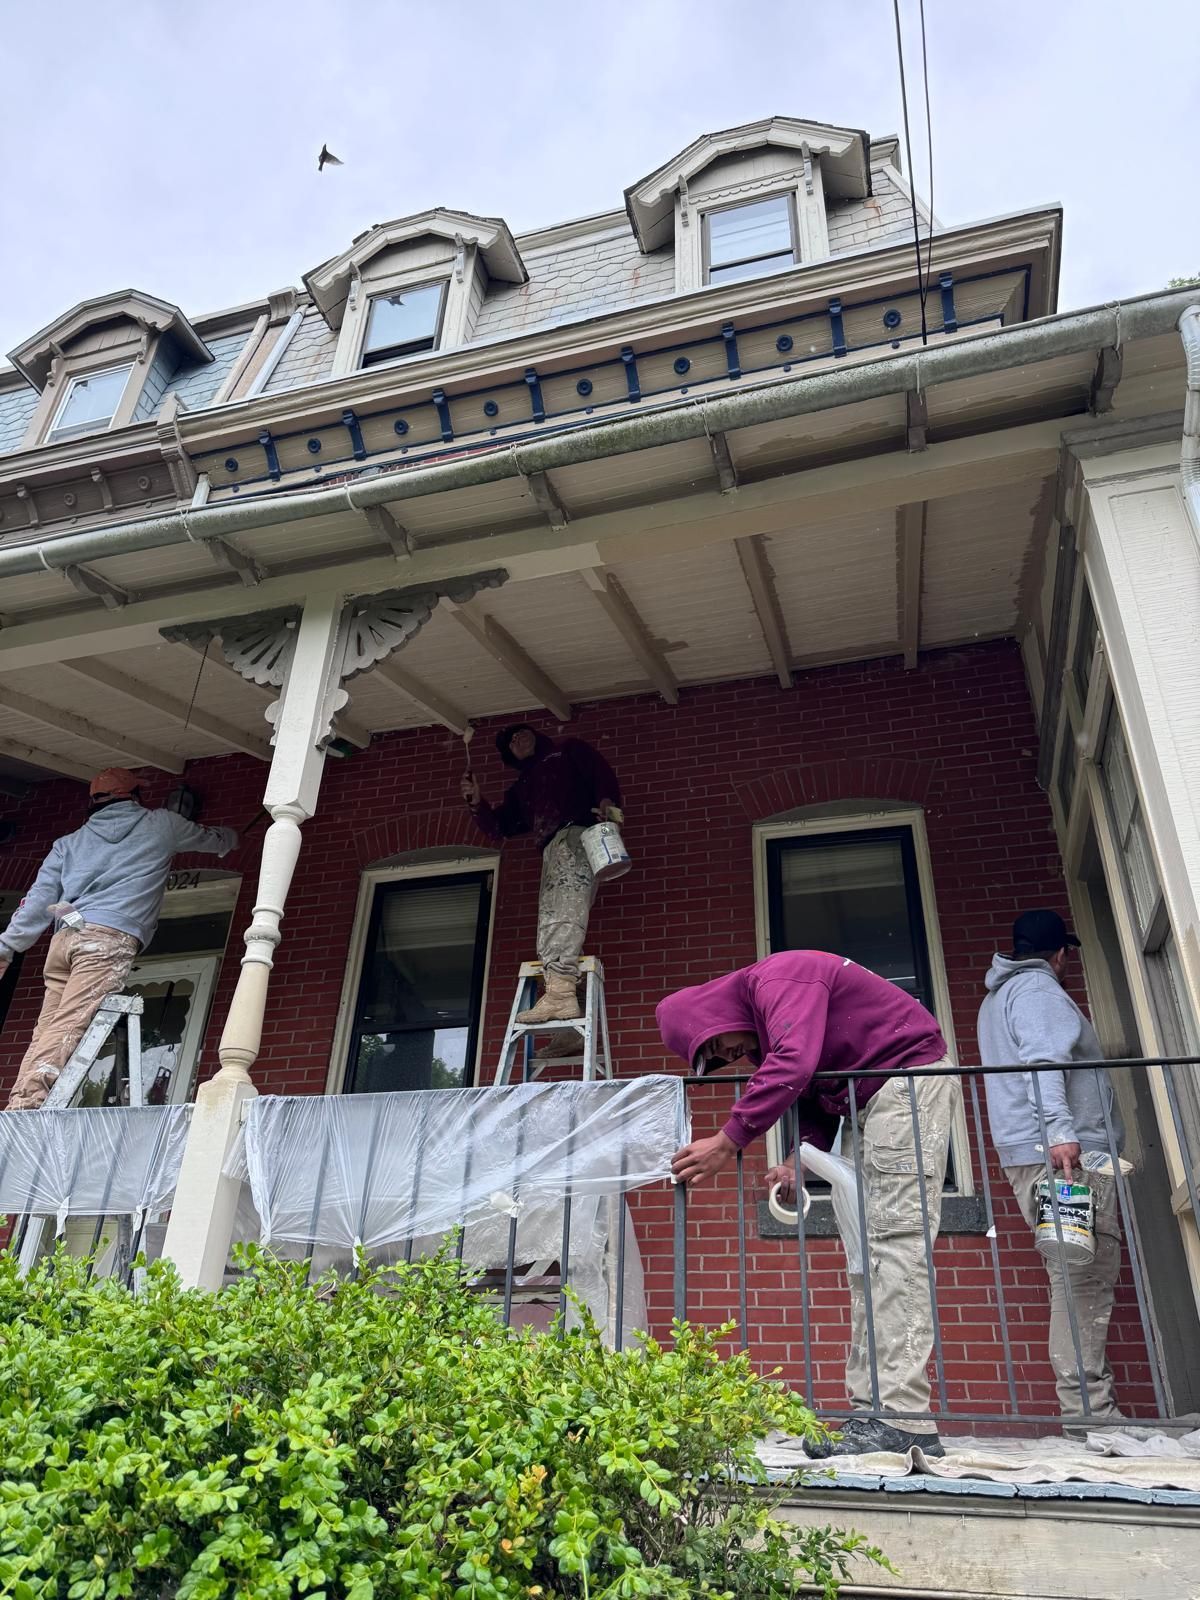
(1077, 1218)
(605, 851)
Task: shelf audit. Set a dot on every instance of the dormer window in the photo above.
(403, 323)
(750, 240)
(90, 404)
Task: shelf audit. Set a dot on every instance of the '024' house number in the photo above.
(183, 880)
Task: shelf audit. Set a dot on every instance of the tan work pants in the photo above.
(564, 902)
(82, 967)
(1092, 1292)
(901, 1275)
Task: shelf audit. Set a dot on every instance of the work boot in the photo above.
(862, 1435)
(562, 1042)
(559, 1003)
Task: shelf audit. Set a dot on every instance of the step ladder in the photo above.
(517, 1061)
(68, 1087)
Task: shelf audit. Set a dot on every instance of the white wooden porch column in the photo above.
(201, 1225)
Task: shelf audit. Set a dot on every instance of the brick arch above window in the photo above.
(886, 779)
(438, 828)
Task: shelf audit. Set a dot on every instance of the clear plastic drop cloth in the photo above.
(395, 1173)
(90, 1161)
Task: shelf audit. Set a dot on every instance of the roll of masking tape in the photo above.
(780, 1207)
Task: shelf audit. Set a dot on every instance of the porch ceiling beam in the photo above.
(90, 583)
(227, 555)
(783, 504)
(1105, 379)
(97, 670)
(546, 498)
(910, 555)
(419, 692)
(723, 461)
(624, 616)
(505, 650)
(49, 761)
(916, 421)
(757, 572)
(132, 748)
(389, 531)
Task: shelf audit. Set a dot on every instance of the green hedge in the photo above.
(383, 1436)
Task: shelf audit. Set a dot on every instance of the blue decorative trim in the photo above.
(271, 453)
(949, 315)
(490, 408)
(400, 427)
(442, 406)
(892, 318)
(784, 343)
(732, 364)
(682, 365)
(351, 424)
(837, 330)
(231, 463)
(536, 404)
(314, 447)
(632, 382)
(584, 387)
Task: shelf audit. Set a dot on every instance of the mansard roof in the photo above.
(34, 358)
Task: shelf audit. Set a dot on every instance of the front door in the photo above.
(175, 991)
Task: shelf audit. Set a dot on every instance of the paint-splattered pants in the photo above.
(82, 967)
(564, 902)
(1092, 1293)
(901, 1277)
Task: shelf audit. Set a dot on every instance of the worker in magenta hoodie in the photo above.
(789, 1018)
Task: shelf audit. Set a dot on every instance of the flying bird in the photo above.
(328, 159)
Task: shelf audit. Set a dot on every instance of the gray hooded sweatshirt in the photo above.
(113, 870)
(1027, 1016)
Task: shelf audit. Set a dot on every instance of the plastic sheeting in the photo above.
(93, 1161)
(331, 1173)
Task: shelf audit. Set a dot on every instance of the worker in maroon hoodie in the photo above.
(789, 1018)
(561, 789)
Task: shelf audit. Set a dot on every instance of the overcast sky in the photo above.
(172, 146)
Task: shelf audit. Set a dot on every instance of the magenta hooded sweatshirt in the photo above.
(813, 1013)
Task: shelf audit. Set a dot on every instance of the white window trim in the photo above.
(808, 215)
(369, 298)
(788, 195)
(913, 818)
(86, 376)
(456, 279)
(335, 1076)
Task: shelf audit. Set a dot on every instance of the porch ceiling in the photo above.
(876, 527)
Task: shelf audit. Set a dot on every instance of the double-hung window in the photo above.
(403, 322)
(90, 403)
(750, 240)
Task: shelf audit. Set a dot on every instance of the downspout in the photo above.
(1074, 334)
(1189, 461)
(249, 351)
(267, 371)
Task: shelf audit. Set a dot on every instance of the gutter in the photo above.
(1076, 333)
(1189, 465)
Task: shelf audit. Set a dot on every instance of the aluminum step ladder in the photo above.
(517, 1060)
(68, 1087)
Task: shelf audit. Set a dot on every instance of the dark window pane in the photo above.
(402, 323)
(419, 997)
(751, 269)
(1085, 645)
(751, 232)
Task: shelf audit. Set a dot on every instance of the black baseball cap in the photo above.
(1041, 930)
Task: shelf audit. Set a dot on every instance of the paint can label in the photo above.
(1076, 1221)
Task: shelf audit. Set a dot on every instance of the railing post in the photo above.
(202, 1214)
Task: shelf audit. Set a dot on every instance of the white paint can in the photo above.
(1076, 1217)
(605, 851)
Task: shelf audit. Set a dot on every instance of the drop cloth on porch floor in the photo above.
(1146, 1460)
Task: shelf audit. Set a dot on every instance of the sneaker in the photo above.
(863, 1435)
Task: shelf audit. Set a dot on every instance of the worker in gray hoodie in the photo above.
(103, 887)
(1028, 1017)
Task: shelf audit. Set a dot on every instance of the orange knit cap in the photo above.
(114, 783)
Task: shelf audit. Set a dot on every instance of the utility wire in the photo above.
(912, 185)
(929, 146)
(196, 687)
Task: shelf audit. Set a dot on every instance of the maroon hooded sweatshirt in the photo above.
(813, 1013)
(559, 787)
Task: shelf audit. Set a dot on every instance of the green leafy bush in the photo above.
(378, 1437)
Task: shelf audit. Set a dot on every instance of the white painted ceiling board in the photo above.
(837, 583)
(699, 609)
(558, 621)
(447, 658)
(1040, 382)
(770, 444)
(975, 547)
(591, 486)
(64, 690)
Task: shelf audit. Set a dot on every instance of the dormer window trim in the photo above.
(58, 432)
(770, 259)
(387, 354)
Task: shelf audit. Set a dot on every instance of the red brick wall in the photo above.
(955, 736)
